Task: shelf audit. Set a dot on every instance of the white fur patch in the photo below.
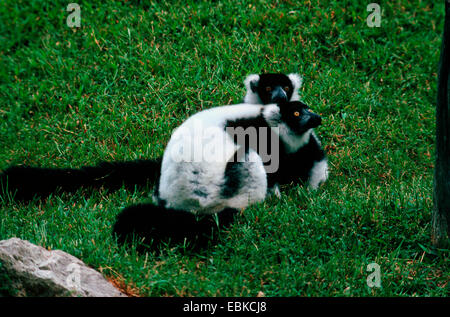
(271, 114)
(297, 82)
(294, 142)
(251, 97)
(318, 174)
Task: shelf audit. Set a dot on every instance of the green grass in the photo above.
(116, 87)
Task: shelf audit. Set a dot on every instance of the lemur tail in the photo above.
(26, 182)
(155, 226)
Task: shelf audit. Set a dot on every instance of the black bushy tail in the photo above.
(26, 182)
(156, 226)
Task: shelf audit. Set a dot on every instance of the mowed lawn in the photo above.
(115, 88)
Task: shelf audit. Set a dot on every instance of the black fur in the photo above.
(234, 172)
(156, 226)
(26, 182)
(256, 122)
(297, 166)
(308, 119)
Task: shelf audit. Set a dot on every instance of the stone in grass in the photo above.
(30, 270)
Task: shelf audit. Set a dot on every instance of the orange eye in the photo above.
(296, 113)
(268, 88)
(286, 88)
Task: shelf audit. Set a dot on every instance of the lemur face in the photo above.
(297, 116)
(272, 88)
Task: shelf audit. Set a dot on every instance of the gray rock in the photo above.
(31, 270)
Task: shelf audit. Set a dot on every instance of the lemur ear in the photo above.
(251, 82)
(296, 80)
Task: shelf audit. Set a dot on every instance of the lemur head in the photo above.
(298, 117)
(295, 115)
(272, 88)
